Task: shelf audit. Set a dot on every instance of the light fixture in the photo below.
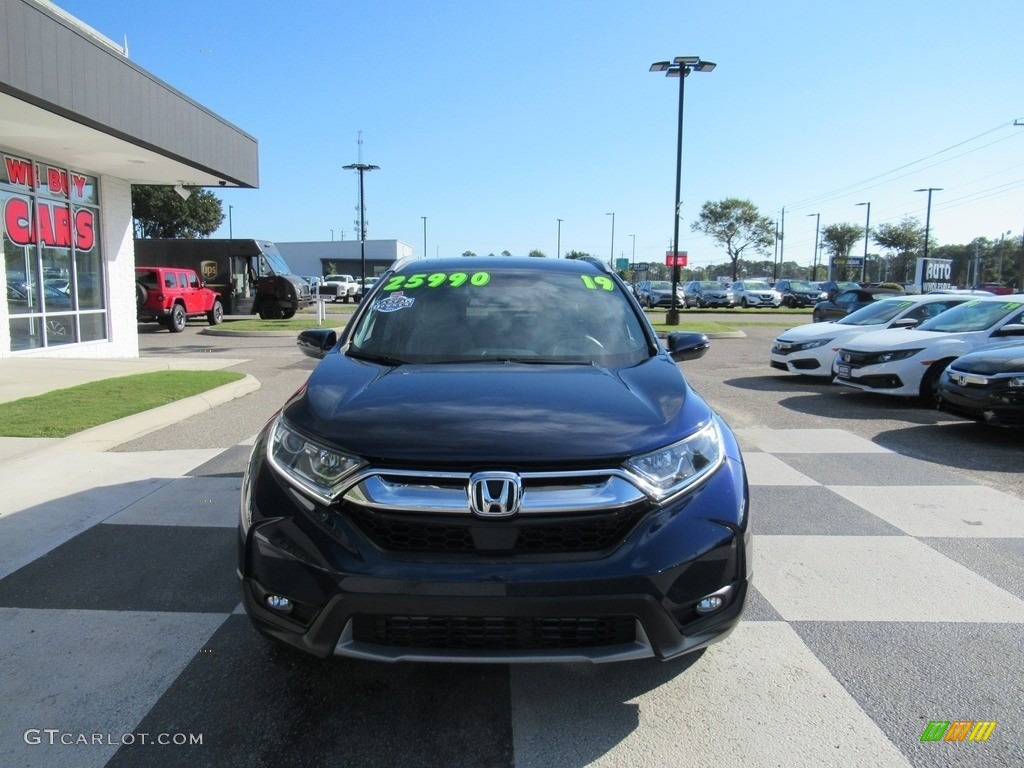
(184, 193)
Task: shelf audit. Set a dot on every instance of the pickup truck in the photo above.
(340, 287)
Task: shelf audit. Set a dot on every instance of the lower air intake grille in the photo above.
(494, 633)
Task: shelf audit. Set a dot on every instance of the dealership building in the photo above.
(79, 124)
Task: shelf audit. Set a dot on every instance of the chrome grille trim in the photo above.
(446, 492)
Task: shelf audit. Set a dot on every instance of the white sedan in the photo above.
(909, 363)
(810, 349)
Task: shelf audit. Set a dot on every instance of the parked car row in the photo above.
(921, 346)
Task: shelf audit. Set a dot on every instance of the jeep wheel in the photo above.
(271, 310)
(216, 315)
(288, 314)
(140, 295)
(177, 324)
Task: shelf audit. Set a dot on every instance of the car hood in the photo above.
(830, 330)
(903, 338)
(999, 359)
(496, 413)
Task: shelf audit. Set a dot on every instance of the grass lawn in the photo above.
(65, 411)
(298, 323)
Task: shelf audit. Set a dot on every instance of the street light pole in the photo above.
(362, 168)
(558, 247)
(679, 67)
(424, 236)
(611, 253)
(867, 230)
(928, 216)
(230, 226)
(814, 258)
(633, 259)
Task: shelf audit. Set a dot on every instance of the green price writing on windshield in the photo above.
(436, 280)
(595, 283)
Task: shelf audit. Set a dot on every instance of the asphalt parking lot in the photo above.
(888, 595)
(735, 377)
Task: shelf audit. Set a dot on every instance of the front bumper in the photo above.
(902, 378)
(636, 599)
(813, 362)
(996, 404)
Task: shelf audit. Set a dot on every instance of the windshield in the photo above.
(711, 286)
(275, 260)
(801, 285)
(972, 316)
(661, 285)
(756, 286)
(877, 312)
(500, 315)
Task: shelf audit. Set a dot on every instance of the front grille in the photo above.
(494, 633)
(536, 534)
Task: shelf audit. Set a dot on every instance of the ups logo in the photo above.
(208, 269)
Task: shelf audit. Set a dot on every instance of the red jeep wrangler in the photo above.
(171, 295)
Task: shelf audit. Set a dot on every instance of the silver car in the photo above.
(755, 293)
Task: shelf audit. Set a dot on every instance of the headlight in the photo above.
(670, 470)
(313, 467)
(1017, 382)
(888, 357)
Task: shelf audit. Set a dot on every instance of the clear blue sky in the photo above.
(495, 119)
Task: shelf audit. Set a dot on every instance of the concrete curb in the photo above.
(103, 437)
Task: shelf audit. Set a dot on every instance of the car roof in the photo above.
(589, 265)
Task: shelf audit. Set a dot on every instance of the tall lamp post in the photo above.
(632, 261)
(814, 258)
(867, 231)
(424, 236)
(362, 168)
(680, 67)
(558, 246)
(230, 226)
(928, 215)
(611, 253)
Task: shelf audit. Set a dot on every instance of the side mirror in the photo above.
(317, 342)
(687, 345)
(906, 322)
(1010, 329)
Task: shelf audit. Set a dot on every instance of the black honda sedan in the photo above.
(496, 461)
(986, 385)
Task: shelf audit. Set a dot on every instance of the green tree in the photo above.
(735, 225)
(506, 253)
(159, 211)
(537, 254)
(902, 240)
(839, 240)
(468, 253)
(576, 254)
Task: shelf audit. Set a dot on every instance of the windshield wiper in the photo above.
(373, 358)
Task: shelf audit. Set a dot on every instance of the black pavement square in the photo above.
(257, 704)
(869, 469)
(811, 510)
(132, 568)
(906, 674)
(231, 461)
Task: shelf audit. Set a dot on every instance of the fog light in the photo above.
(278, 603)
(714, 601)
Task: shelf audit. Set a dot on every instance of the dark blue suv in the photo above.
(496, 461)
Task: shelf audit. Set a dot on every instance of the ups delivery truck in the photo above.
(250, 276)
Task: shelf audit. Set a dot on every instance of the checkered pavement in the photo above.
(889, 593)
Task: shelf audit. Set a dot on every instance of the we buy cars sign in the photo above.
(675, 258)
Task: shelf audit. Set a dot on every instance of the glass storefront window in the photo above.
(53, 264)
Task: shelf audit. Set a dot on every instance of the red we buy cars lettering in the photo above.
(23, 174)
(53, 225)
